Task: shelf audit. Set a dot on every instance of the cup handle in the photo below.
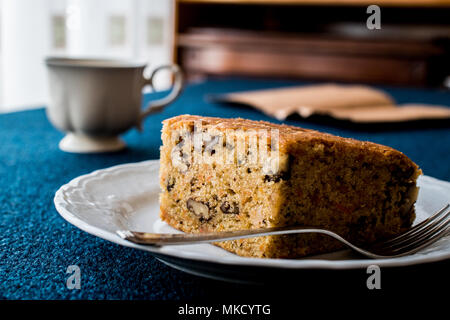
(158, 105)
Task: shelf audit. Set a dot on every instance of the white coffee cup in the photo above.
(95, 100)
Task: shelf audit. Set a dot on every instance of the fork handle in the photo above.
(160, 239)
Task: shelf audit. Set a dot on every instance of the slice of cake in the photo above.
(229, 174)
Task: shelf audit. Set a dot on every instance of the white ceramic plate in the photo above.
(126, 197)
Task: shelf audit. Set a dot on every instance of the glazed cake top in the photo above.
(289, 136)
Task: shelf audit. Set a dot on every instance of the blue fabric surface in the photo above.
(37, 245)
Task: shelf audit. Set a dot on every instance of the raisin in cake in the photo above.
(229, 174)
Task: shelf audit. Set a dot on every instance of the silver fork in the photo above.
(418, 237)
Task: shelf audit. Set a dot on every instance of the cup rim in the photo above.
(93, 62)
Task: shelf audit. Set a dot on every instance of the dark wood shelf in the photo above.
(220, 38)
(403, 3)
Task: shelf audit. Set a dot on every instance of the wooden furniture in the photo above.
(314, 40)
(408, 3)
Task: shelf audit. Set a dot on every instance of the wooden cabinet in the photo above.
(332, 43)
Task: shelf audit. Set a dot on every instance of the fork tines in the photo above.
(418, 237)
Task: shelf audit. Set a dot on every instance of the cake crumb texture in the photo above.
(361, 190)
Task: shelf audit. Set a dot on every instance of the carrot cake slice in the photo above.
(231, 174)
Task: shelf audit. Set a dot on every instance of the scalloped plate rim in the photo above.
(309, 263)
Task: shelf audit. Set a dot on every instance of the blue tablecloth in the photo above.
(37, 245)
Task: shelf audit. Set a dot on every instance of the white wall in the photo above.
(26, 39)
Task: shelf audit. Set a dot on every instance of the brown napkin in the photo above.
(356, 103)
(390, 113)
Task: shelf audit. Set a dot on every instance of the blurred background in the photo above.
(34, 29)
(299, 39)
